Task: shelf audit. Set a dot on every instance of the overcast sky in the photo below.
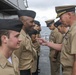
(45, 9)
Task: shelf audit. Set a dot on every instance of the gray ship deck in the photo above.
(44, 62)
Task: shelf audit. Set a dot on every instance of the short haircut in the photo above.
(33, 31)
(4, 32)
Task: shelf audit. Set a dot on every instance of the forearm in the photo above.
(50, 44)
(54, 46)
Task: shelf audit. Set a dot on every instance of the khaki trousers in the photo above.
(55, 65)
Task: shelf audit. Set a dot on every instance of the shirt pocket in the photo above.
(66, 43)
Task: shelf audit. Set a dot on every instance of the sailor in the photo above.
(36, 46)
(9, 41)
(38, 28)
(25, 53)
(55, 37)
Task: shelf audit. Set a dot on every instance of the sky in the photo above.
(45, 9)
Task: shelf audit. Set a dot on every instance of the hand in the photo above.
(42, 41)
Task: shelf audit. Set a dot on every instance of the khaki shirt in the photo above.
(69, 48)
(55, 37)
(34, 64)
(25, 52)
(6, 68)
(37, 46)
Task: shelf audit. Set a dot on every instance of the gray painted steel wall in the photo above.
(19, 4)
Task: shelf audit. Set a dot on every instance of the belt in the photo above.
(25, 72)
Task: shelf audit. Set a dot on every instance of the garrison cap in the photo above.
(57, 23)
(63, 9)
(49, 22)
(37, 22)
(10, 24)
(28, 13)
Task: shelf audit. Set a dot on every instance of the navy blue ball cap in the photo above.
(28, 13)
(10, 24)
(37, 22)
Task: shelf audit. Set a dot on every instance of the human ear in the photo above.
(4, 39)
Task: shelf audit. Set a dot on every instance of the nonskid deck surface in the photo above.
(44, 62)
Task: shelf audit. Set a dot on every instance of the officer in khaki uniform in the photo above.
(55, 37)
(68, 53)
(26, 53)
(68, 47)
(9, 33)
